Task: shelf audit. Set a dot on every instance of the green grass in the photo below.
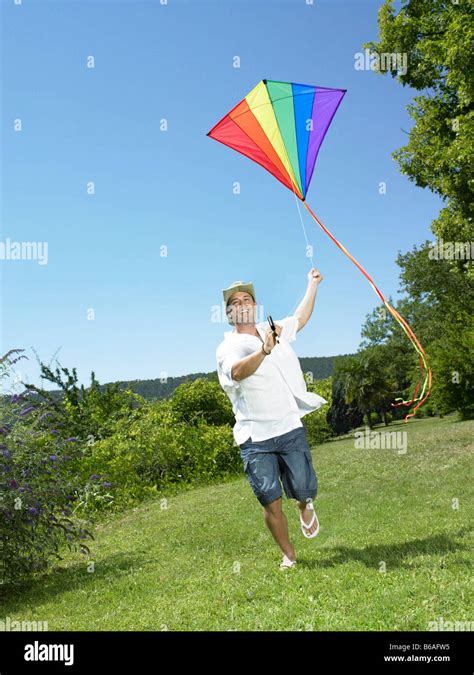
(207, 562)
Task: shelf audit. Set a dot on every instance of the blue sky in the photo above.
(152, 314)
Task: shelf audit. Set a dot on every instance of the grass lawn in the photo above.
(393, 552)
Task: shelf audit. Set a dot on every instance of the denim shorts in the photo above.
(288, 457)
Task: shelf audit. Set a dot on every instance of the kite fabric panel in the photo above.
(281, 125)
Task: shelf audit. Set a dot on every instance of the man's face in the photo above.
(241, 308)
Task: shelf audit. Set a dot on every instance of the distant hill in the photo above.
(320, 367)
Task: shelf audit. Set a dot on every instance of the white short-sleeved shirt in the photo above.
(272, 400)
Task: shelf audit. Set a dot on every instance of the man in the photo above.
(262, 376)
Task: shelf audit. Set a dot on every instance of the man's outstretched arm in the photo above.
(305, 308)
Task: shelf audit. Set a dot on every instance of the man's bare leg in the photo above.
(277, 523)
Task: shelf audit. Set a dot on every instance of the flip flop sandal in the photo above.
(306, 526)
(287, 563)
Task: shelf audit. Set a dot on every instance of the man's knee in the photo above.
(274, 507)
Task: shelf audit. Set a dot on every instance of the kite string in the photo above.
(308, 245)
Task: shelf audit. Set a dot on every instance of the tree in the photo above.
(436, 36)
(442, 299)
(341, 416)
(366, 383)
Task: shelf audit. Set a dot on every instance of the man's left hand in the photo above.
(314, 276)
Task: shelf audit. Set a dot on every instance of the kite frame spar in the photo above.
(264, 136)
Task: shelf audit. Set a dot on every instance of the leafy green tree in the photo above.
(396, 356)
(437, 36)
(366, 383)
(342, 417)
(442, 298)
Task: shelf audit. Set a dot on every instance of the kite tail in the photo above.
(425, 370)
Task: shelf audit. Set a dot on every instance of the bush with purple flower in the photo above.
(39, 485)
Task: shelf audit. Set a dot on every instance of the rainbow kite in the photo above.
(281, 126)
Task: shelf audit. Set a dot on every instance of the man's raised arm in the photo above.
(305, 308)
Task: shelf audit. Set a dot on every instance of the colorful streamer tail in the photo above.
(425, 370)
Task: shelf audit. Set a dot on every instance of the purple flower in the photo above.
(16, 397)
(71, 440)
(33, 510)
(53, 458)
(106, 484)
(26, 410)
(94, 477)
(6, 453)
(13, 483)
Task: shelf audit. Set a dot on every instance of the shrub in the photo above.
(316, 422)
(202, 399)
(86, 413)
(156, 451)
(37, 488)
